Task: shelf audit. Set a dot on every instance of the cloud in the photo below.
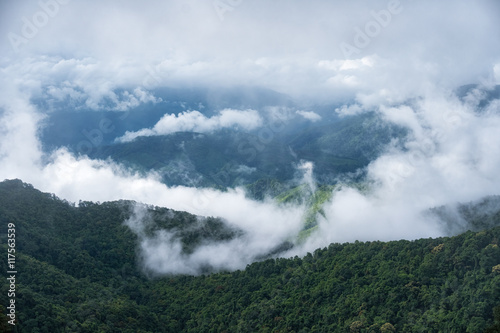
(450, 157)
(309, 115)
(349, 110)
(155, 43)
(307, 168)
(348, 64)
(195, 121)
(496, 71)
(161, 253)
(82, 83)
(244, 169)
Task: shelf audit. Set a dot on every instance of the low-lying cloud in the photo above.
(162, 252)
(450, 156)
(195, 121)
(309, 115)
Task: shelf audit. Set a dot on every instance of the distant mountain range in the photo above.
(231, 157)
(227, 157)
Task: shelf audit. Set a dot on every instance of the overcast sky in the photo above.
(295, 47)
(374, 53)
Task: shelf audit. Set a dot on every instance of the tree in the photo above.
(387, 327)
(495, 328)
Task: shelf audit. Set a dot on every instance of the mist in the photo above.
(195, 121)
(407, 72)
(162, 253)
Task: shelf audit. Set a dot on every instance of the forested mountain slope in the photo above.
(78, 271)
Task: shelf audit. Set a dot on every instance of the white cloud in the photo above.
(83, 83)
(348, 64)
(307, 168)
(244, 169)
(349, 110)
(309, 115)
(496, 70)
(61, 93)
(450, 157)
(155, 43)
(162, 253)
(247, 119)
(195, 121)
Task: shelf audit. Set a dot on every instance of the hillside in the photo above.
(226, 157)
(78, 271)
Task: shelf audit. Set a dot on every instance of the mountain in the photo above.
(224, 157)
(230, 158)
(476, 216)
(79, 271)
(71, 125)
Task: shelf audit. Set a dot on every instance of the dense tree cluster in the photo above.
(78, 272)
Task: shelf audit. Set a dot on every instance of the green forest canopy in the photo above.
(78, 272)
